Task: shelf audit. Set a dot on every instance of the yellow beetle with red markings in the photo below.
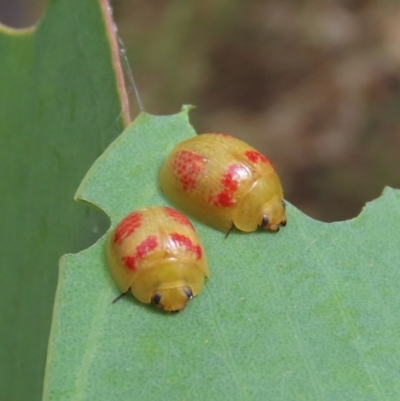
(222, 181)
(156, 254)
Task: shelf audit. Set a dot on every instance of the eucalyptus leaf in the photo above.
(309, 313)
(60, 106)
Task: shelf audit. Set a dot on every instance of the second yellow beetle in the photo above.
(156, 254)
(222, 181)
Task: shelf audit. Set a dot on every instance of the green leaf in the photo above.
(59, 108)
(309, 313)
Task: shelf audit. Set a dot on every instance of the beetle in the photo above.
(156, 253)
(223, 182)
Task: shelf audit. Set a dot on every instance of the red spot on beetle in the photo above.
(188, 166)
(178, 217)
(147, 245)
(129, 262)
(256, 157)
(127, 226)
(142, 250)
(231, 178)
(224, 199)
(186, 242)
(230, 182)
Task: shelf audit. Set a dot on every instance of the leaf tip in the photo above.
(187, 107)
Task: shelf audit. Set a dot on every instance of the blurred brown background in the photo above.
(314, 85)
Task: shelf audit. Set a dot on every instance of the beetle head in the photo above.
(262, 206)
(172, 299)
(273, 215)
(168, 284)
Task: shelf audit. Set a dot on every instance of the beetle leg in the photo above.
(120, 296)
(229, 231)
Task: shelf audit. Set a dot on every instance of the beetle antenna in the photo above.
(226, 236)
(119, 296)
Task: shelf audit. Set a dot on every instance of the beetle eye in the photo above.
(156, 298)
(188, 292)
(264, 222)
